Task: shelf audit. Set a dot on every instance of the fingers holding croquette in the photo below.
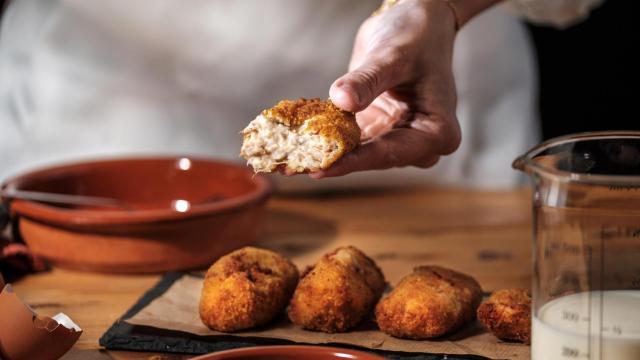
(431, 302)
(246, 288)
(338, 292)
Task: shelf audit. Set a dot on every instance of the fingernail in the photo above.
(349, 91)
(355, 95)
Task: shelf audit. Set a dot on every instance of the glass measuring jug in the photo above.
(586, 246)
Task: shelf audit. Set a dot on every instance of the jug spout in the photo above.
(544, 163)
(520, 163)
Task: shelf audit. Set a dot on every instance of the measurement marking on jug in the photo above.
(616, 232)
(617, 330)
(601, 306)
(563, 248)
(570, 316)
(570, 352)
(623, 188)
(590, 282)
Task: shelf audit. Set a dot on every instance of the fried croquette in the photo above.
(432, 301)
(507, 314)
(299, 135)
(338, 292)
(246, 288)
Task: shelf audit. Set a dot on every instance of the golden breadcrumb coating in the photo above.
(507, 314)
(338, 292)
(246, 288)
(301, 135)
(431, 302)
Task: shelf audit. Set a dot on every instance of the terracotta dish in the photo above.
(172, 213)
(291, 352)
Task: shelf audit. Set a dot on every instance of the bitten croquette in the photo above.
(304, 135)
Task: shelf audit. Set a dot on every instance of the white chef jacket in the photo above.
(84, 79)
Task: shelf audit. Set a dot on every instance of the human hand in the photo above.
(401, 86)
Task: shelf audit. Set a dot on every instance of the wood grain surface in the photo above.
(484, 234)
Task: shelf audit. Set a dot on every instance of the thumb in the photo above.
(355, 90)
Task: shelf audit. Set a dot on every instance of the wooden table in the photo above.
(485, 234)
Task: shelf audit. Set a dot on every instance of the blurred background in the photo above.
(87, 78)
(588, 72)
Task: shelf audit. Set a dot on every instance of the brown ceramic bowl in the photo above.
(181, 213)
(289, 352)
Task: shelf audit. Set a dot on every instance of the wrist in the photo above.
(458, 11)
(466, 10)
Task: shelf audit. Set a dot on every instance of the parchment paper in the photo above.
(177, 309)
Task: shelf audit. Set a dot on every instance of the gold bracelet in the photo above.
(387, 4)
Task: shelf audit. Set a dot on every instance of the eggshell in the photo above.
(25, 335)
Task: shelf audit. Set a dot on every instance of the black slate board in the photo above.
(124, 336)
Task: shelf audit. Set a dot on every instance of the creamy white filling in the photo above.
(268, 144)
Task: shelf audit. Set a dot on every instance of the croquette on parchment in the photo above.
(246, 288)
(432, 301)
(338, 292)
(507, 314)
